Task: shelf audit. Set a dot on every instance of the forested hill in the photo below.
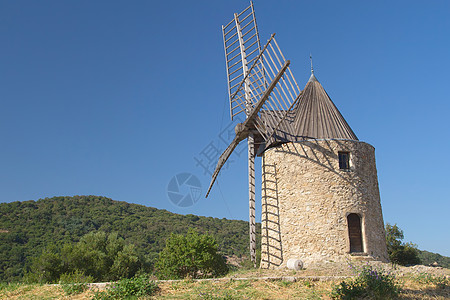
(26, 228)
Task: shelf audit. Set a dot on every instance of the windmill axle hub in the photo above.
(241, 131)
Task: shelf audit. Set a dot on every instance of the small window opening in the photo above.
(355, 233)
(344, 160)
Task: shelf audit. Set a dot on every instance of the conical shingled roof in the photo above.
(314, 117)
(317, 117)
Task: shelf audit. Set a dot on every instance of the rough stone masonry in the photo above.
(307, 198)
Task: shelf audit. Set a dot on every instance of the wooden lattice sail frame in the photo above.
(261, 85)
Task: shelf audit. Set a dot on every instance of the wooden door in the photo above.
(355, 233)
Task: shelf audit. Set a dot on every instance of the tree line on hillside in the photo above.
(27, 228)
(110, 239)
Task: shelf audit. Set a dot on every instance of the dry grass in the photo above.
(41, 292)
(415, 282)
(412, 288)
(245, 289)
(234, 289)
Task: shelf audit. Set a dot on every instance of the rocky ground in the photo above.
(334, 269)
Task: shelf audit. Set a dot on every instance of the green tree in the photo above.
(48, 266)
(191, 255)
(99, 255)
(400, 253)
(27, 228)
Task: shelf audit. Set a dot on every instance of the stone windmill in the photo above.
(320, 197)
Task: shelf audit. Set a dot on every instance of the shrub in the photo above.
(192, 255)
(46, 268)
(370, 283)
(74, 288)
(75, 282)
(9, 286)
(247, 264)
(138, 286)
(400, 253)
(103, 256)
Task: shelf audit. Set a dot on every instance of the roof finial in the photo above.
(312, 78)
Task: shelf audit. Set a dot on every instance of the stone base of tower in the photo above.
(316, 208)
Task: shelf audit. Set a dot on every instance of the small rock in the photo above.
(435, 264)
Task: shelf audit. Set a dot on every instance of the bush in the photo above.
(46, 268)
(247, 264)
(138, 286)
(8, 286)
(370, 283)
(104, 257)
(404, 254)
(192, 255)
(75, 282)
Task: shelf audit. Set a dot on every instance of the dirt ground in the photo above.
(315, 282)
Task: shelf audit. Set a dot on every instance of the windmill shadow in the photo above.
(320, 155)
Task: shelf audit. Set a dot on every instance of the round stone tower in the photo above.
(320, 196)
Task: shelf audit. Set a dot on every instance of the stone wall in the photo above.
(306, 199)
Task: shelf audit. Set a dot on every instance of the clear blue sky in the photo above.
(114, 98)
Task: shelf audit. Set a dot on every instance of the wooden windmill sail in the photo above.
(297, 133)
(261, 86)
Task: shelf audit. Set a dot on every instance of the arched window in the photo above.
(355, 233)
